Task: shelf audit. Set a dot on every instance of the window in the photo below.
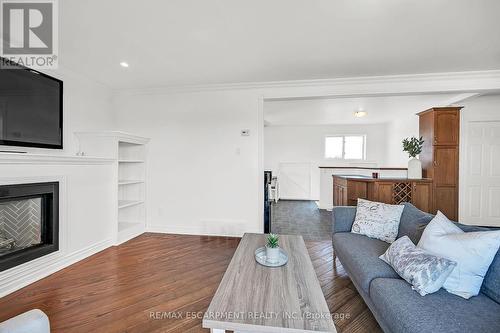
(347, 147)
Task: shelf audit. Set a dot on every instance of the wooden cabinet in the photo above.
(440, 129)
(346, 191)
(339, 192)
(446, 126)
(382, 191)
(422, 196)
(340, 195)
(446, 200)
(445, 165)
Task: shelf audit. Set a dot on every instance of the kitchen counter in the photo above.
(361, 168)
(380, 179)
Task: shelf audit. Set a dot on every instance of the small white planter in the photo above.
(272, 254)
(414, 168)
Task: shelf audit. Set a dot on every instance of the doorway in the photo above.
(481, 174)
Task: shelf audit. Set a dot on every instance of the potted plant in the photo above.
(272, 248)
(413, 146)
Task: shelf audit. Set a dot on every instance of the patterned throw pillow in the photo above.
(377, 220)
(424, 271)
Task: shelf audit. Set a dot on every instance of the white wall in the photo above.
(198, 182)
(202, 174)
(305, 144)
(401, 127)
(87, 107)
(482, 108)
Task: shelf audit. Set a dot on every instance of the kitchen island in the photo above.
(393, 190)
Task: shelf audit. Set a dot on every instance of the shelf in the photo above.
(122, 226)
(130, 161)
(128, 203)
(130, 182)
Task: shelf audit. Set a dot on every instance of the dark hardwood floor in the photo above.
(132, 287)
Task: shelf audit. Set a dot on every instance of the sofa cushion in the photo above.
(404, 310)
(473, 251)
(343, 218)
(413, 222)
(491, 282)
(360, 256)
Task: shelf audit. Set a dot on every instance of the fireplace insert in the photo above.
(29, 222)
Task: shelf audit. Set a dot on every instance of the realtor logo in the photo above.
(29, 33)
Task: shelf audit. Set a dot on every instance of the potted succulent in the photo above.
(413, 146)
(272, 248)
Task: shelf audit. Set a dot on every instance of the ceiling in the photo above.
(331, 111)
(185, 42)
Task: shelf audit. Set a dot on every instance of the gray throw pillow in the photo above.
(413, 228)
(424, 271)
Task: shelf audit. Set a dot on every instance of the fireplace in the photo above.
(29, 222)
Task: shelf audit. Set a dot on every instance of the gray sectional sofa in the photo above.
(394, 304)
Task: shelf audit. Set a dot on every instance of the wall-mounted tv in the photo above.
(31, 108)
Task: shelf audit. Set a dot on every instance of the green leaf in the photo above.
(413, 146)
(272, 241)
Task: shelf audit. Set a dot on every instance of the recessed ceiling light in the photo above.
(124, 64)
(360, 114)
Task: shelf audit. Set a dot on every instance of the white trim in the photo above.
(15, 158)
(260, 164)
(489, 79)
(190, 230)
(45, 266)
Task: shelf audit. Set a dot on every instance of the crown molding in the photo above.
(489, 79)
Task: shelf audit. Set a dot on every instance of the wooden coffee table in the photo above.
(254, 298)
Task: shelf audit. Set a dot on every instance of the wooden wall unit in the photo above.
(347, 190)
(440, 128)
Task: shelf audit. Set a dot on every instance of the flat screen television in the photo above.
(31, 108)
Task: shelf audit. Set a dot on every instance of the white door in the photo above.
(295, 181)
(480, 200)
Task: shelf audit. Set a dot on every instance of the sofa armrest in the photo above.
(33, 321)
(343, 218)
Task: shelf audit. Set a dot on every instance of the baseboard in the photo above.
(184, 230)
(23, 275)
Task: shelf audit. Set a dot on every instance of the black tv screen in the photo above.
(30, 109)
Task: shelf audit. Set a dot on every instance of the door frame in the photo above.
(462, 173)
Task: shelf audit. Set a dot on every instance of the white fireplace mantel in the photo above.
(20, 158)
(87, 201)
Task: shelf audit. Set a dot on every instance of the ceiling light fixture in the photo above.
(360, 114)
(124, 64)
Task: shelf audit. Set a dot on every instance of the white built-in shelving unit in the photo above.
(130, 153)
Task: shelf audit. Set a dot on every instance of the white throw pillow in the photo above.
(473, 252)
(377, 220)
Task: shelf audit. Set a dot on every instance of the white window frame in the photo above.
(343, 147)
